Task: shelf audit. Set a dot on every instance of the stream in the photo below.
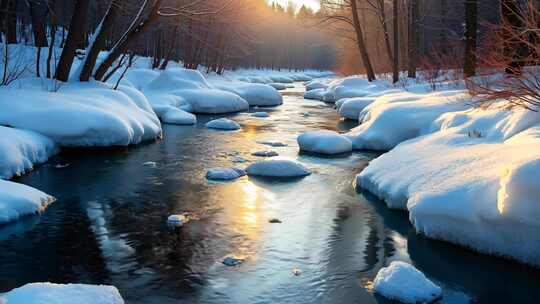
(109, 224)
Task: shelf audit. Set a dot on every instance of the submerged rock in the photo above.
(260, 114)
(272, 143)
(232, 261)
(274, 221)
(224, 173)
(277, 168)
(265, 153)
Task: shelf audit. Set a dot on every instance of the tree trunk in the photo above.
(11, 22)
(360, 41)
(38, 17)
(75, 35)
(127, 38)
(514, 50)
(98, 40)
(395, 23)
(444, 39)
(53, 38)
(471, 24)
(414, 38)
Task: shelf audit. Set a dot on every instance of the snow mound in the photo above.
(17, 200)
(403, 282)
(350, 108)
(278, 86)
(255, 94)
(212, 101)
(223, 124)
(471, 181)
(50, 293)
(172, 115)
(260, 114)
(224, 173)
(80, 114)
(20, 150)
(315, 84)
(277, 168)
(316, 94)
(324, 142)
(394, 118)
(281, 79)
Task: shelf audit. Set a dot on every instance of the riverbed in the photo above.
(109, 223)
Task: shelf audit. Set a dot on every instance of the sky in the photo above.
(313, 4)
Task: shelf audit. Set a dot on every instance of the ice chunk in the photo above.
(50, 293)
(224, 173)
(277, 168)
(223, 124)
(18, 200)
(324, 142)
(403, 282)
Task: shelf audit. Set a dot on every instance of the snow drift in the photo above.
(17, 200)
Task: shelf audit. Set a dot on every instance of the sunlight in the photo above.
(312, 4)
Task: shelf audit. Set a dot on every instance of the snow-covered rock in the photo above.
(281, 79)
(315, 84)
(212, 101)
(255, 94)
(316, 94)
(176, 116)
(50, 293)
(17, 200)
(278, 86)
(260, 114)
(472, 180)
(277, 168)
(177, 220)
(394, 118)
(223, 124)
(350, 108)
(20, 150)
(224, 173)
(80, 114)
(265, 153)
(324, 142)
(403, 282)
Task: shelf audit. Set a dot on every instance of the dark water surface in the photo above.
(109, 225)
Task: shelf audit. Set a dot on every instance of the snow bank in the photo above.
(350, 108)
(20, 150)
(223, 124)
(50, 293)
(324, 142)
(17, 200)
(472, 181)
(189, 90)
(397, 117)
(403, 282)
(176, 116)
(80, 114)
(255, 94)
(277, 168)
(224, 173)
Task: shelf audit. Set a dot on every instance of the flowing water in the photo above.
(109, 224)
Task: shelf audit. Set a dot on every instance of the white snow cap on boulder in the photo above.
(277, 168)
(255, 94)
(403, 282)
(50, 293)
(224, 173)
(17, 200)
(324, 142)
(223, 124)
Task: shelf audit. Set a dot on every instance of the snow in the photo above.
(265, 153)
(177, 220)
(256, 94)
(50, 293)
(324, 142)
(224, 173)
(17, 200)
(260, 114)
(315, 94)
(223, 124)
(172, 115)
(96, 115)
(278, 86)
(277, 168)
(470, 180)
(350, 108)
(394, 118)
(403, 282)
(315, 84)
(20, 150)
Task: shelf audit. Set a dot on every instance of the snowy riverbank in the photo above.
(466, 175)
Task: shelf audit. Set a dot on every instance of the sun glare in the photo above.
(312, 4)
